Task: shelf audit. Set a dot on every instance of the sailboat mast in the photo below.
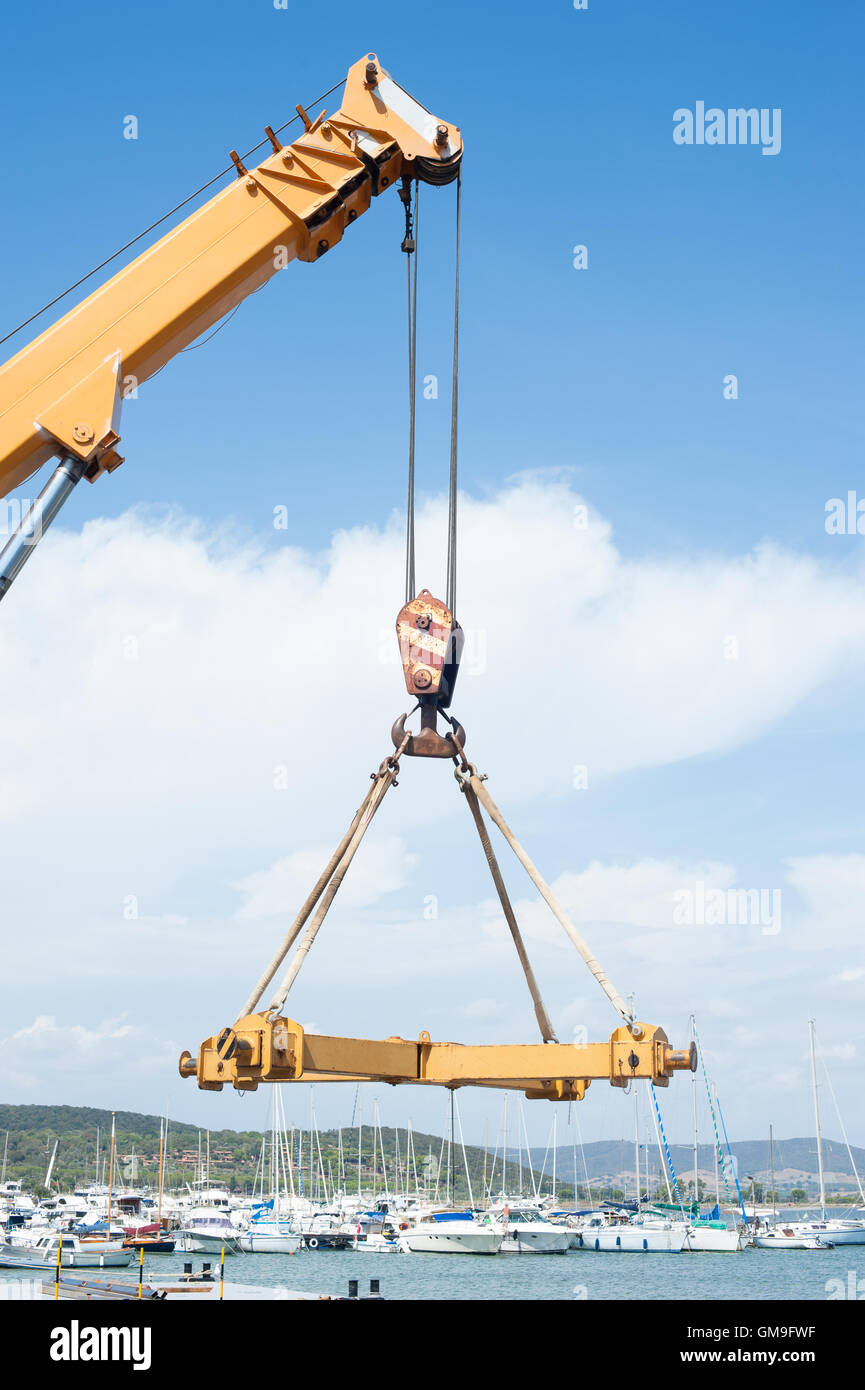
(486, 1147)
(694, 1106)
(811, 1031)
(717, 1174)
(409, 1158)
(633, 1004)
(505, 1148)
(772, 1167)
(374, 1146)
(110, 1174)
(636, 1146)
(161, 1172)
(520, 1152)
(451, 1174)
(383, 1159)
(311, 1159)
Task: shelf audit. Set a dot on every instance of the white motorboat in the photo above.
(525, 1231)
(377, 1243)
(207, 1231)
(74, 1253)
(833, 1230)
(375, 1234)
(450, 1233)
(326, 1230)
(786, 1238)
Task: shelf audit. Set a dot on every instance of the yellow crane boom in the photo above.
(62, 394)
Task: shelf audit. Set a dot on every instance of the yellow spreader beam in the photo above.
(260, 1049)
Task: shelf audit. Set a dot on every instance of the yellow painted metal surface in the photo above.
(63, 392)
(257, 1049)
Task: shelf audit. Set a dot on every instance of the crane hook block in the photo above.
(430, 647)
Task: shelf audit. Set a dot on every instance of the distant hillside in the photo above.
(72, 1120)
(793, 1158)
(234, 1155)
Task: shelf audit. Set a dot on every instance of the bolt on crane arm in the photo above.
(62, 393)
(259, 1048)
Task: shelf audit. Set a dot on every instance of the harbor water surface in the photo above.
(751, 1275)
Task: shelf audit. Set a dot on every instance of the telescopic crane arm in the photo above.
(62, 394)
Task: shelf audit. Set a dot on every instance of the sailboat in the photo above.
(828, 1230)
(151, 1238)
(266, 1233)
(785, 1237)
(670, 1226)
(707, 1233)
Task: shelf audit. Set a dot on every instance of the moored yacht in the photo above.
(832, 1230)
(526, 1231)
(449, 1233)
(66, 1250)
(207, 1231)
(786, 1238)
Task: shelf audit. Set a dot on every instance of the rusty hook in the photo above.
(429, 743)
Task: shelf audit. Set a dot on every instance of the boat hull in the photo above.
(530, 1242)
(17, 1257)
(832, 1235)
(328, 1240)
(791, 1243)
(197, 1243)
(269, 1242)
(707, 1239)
(623, 1240)
(450, 1243)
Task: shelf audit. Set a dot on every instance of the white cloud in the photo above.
(187, 673)
(379, 867)
(44, 1034)
(185, 721)
(832, 890)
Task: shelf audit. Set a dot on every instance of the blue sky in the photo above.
(606, 382)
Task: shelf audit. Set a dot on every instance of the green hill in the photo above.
(234, 1156)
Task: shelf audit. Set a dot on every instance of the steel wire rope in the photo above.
(159, 221)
